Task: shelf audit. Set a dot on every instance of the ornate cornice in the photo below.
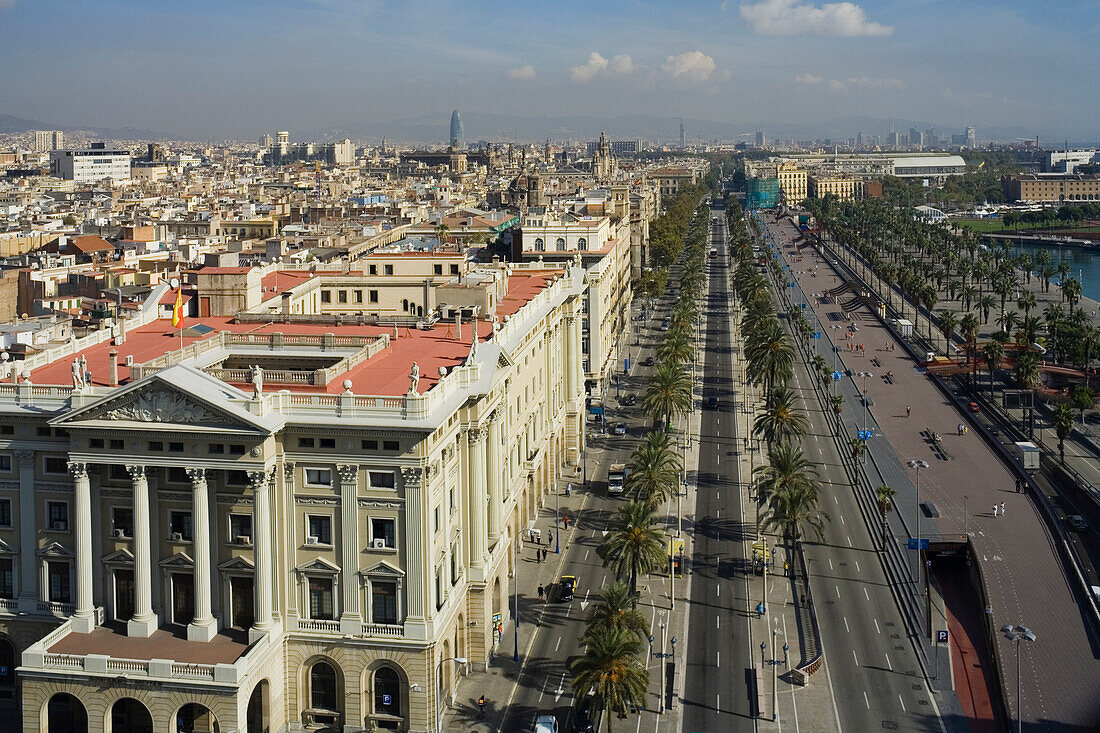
(25, 458)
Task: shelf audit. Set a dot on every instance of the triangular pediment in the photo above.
(178, 560)
(6, 549)
(504, 361)
(242, 564)
(318, 565)
(56, 549)
(384, 570)
(177, 396)
(119, 557)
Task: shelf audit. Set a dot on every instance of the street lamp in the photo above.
(1016, 634)
(557, 531)
(866, 407)
(917, 465)
(515, 596)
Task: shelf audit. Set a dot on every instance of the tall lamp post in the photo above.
(917, 465)
(515, 598)
(557, 529)
(866, 407)
(1016, 634)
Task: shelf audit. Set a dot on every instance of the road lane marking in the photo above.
(888, 662)
(902, 701)
(857, 567)
(558, 644)
(865, 700)
(845, 626)
(849, 541)
(835, 501)
(717, 590)
(718, 659)
(842, 519)
(855, 657)
(586, 554)
(837, 587)
(876, 626)
(865, 595)
(830, 563)
(717, 622)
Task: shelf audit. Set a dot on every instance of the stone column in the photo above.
(144, 622)
(28, 534)
(84, 616)
(495, 478)
(261, 529)
(203, 627)
(414, 541)
(572, 358)
(476, 499)
(351, 621)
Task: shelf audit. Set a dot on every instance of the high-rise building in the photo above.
(892, 139)
(88, 165)
(760, 140)
(683, 142)
(46, 140)
(458, 137)
(916, 137)
(971, 137)
(266, 141)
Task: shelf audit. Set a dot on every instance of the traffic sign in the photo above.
(913, 543)
(387, 699)
(865, 434)
(941, 636)
(838, 376)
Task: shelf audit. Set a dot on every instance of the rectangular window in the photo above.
(53, 464)
(118, 473)
(42, 432)
(236, 478)
(454, 269)
(175, 447)
(437, 269)
(385, 530)
(305, 443)
(240, 528)
(156, 445)
(319, 477)
(389, 269)
(373, 270)
(320, 598)
(216, 448)
(383, 602)
(122, 521)
(7, 578)
(5, 512)
(435, 519)
(236, 450)
(118, 445)
(382, 480)
(369, 445)
(179, 526)
(373, 295)
(342, 296)
(57, 514)
(60, 590)
(95, 443)
(320, 527)
(7, 430)
(328, 442)
(326, 296)
(391, 445)
(358, 296)
(178, 475)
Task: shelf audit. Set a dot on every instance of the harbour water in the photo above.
(1084, 264)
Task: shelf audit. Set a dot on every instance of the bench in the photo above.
(930, 509)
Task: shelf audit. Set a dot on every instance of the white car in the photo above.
(546, 724)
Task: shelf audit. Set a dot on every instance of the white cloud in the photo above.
(522, 73)
(808, 79)
(586, 71)
(791, 18)
(623, 64)
(691, 66)
(599, 67)
(851, 83)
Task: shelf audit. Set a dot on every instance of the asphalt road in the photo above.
(716, 694)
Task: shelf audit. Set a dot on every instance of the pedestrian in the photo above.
(545, 552)
(565, 519)
(542, 591)
(786, 569)
(1002, 508)
(994, 509)
(908, 410)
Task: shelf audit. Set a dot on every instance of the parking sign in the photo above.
(941, 636)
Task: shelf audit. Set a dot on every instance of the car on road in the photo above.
(619, 428)
(664, 325)
(567, 586)
(1077, 523)
(648, 361)
(630, 399)
(546, 724)
(712, 402)
(973, 407)
(582, 716)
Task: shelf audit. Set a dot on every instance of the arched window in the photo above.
(127, 714)
(387, 692)
(560, 244)
(258, 719)
(196, 718)
(66, 714)
(540, 246)
(322, 686)
(582, 244)
(405, 305)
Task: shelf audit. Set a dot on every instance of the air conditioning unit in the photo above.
(60, 526)
(378, 544)
(176, 537)
(120, 533)
(129, 360)
(311, 540)
(244, 539)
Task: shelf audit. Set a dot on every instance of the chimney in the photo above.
(112, 369)
(120, 339)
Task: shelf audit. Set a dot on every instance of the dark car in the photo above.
(630, 399)
(648, 361)
(712, 402)
(566, 587)
(1077, 523)
(582, 717)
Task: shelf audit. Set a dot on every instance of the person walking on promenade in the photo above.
(1002, 508)
(994, 509)
(908, 410)
(542, 592)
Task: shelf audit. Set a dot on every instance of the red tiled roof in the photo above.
(91, 243)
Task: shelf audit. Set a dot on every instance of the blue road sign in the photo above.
(817, 335)
(941, 636)
(387, 699)
(838, 376)
(913, 543)
(790, 285)
(865, 434)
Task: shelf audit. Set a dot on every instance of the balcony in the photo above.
(332, 627)
(167, 655)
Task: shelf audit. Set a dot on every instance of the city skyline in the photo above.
(236, 71)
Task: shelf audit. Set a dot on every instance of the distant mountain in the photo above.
(9, 124)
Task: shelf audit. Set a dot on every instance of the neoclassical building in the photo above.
(277, 524)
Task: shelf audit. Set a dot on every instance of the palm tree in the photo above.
(668, 394)
(654, 468)
(634, 545)
(793, 510)
(884, 496)
(992, 352)
(1026, 302)
(781, 420)
(787, 467)
(770, 356)
(985, 304)
(441, 230)
(1027, 376)
(612, 670)
(1062, 419)
(615, 607)
(1008, 321)
(949, 320)
(969, 325)
(676, 347)
(859, 445)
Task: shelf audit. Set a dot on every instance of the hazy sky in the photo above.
(237, 68)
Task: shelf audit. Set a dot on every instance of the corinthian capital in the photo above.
(349, 472)
(136, 472)
(78, 470)
(259, 480)
(411, 477)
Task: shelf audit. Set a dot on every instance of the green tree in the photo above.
(992, 352)
(787, 468)
(654, 469)
(634, 544)
(948, 322)
(677, 347)
(770, 356)
(781, 420)
(612, 670)
(616, 607)
(668, 394)
(1062, 419)
(795, 511)
(1082, 399)
(884, 497)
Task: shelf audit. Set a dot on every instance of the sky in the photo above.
(239, 68)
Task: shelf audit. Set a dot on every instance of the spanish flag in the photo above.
(177, 310)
